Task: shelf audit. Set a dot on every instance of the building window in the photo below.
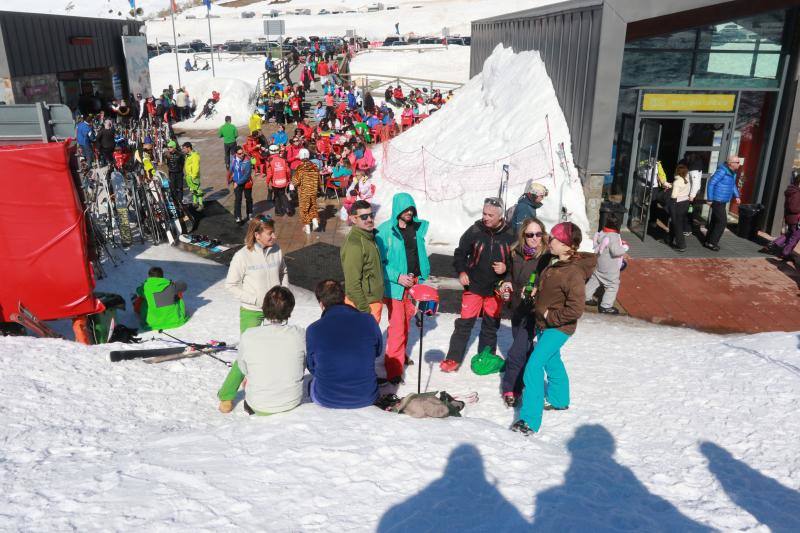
(747, 52)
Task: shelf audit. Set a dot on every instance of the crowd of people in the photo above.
(328, 153)
(539, 275)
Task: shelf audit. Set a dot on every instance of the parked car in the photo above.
(399, 43)
(324, 12)
(248, 14)
(430, 40)
(389, 40)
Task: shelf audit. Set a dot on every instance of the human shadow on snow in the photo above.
(461, 500)
(600, 494)
(771, 503)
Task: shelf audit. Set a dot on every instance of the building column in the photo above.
(593, 192)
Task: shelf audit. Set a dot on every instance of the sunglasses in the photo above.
(533, 234)
(264, 218)
(366, 216)
(493, 201)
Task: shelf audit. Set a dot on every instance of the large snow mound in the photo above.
(506, 115)
(235, 81)
(686, 431)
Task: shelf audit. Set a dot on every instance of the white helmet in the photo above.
(273, 148)
(536, 189)
(303, 154)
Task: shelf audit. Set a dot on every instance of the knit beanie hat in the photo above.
(562, 232)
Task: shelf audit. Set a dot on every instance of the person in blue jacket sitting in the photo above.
(720, 190)
(280, 137)
(341, 348)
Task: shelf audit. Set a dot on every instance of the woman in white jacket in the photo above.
(254, 270)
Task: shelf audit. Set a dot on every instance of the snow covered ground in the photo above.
(424, 61)
(427, 19)
(235, 81)
(681, 432)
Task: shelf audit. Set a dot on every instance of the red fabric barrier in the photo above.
(44, 256)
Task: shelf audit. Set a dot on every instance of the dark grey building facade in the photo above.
(643, 81)
(59, 59)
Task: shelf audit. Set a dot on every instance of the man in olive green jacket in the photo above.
(361, 263)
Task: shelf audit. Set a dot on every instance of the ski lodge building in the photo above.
(642, 81)
(60, 59)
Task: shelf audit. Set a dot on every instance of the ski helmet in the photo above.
(303, 154)
(273, 148)
(426, 298)
(536, 189)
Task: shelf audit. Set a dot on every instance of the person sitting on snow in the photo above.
(272, 358)
(159, 302)
(341, 349)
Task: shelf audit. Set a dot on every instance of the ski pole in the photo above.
(197, 346)
(421, 323)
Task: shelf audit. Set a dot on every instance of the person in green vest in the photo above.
(160, 302)
(229, 133)
(361, 263)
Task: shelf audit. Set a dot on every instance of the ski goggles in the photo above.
(428, 308)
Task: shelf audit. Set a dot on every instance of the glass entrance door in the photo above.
(707, 138)
(644, 176)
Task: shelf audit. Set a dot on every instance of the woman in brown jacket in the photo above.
(559, 304)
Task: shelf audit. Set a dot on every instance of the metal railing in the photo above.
(374, 82)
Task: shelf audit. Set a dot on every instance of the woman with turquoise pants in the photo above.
(254, 270)
(560, 301)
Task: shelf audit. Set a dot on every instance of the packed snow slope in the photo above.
(668, 430)
(433, 62)
(235, 81)
(419, 17)
(506, 115)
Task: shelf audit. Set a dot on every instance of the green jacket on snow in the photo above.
(163, 306)
(363, 272)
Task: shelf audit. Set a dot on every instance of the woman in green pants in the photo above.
(254, 270)
(560, 301)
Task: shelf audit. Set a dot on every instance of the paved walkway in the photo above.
(737, 293)
(715, 295)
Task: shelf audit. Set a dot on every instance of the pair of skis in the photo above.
(26, 318)
(162, 355)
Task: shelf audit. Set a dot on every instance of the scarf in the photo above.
(529, 251)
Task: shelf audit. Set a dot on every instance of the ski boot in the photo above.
(549, 407)
(448, 365)
(510, 399)
(520, 426)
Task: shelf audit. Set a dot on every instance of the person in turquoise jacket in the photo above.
(159, 302)
(401, 242)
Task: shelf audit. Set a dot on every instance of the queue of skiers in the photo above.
(539, 275)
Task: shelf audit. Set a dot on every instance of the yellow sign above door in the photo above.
(688, 102)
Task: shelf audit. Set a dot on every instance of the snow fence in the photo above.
(506, 115)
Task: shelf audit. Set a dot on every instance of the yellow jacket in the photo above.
(191, 168)
(255, 122)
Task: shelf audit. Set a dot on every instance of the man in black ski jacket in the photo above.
(481, 260)
(175, 160)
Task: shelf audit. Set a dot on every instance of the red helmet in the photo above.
(426, 299)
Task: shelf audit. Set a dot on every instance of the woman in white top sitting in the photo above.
(272, 357)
